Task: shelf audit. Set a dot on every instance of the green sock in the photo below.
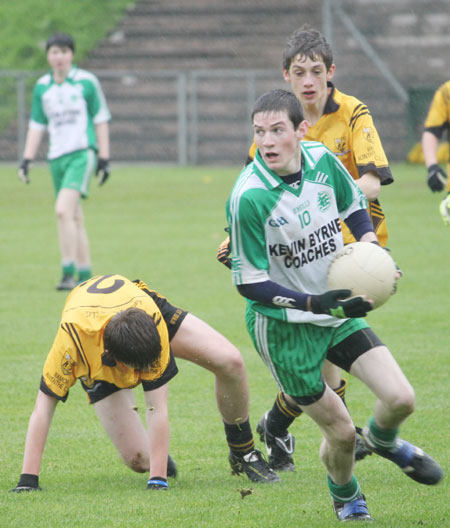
(345, 493)
(68, 268)
(84, 273)
(383, 439)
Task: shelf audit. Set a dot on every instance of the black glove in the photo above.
(335, 303)
(437, 178)
(103, 167)
(223, 253)
(27, 482)
(157, 483)
(23, 170)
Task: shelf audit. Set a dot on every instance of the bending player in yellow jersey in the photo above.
(436, 123)
(344, 124)
(116, 334)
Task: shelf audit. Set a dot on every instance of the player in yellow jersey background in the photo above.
(345, 125)
(436, 124)
(115, 334)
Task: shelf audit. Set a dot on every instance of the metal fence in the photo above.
(186, 118)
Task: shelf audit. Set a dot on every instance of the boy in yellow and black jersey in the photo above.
(115, 334)
(78, 351)
(437, 124)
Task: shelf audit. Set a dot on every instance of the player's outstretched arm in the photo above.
(158, 432)
(38, 428)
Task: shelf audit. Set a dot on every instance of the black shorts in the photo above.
(173, 317)
(349, 349)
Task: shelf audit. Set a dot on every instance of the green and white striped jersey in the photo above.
(69, 110)
(289, 236)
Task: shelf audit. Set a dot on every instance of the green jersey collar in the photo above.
(270, 178)
(70, 74)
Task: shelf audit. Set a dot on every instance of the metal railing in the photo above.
(184, 101)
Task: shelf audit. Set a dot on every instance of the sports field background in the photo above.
(163, 225)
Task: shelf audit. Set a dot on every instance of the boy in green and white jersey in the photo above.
(69, 103)
(298, 230)
(283, 217)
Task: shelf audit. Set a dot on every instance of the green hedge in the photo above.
(27, 25)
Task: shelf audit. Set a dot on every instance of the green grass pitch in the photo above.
(163, 225)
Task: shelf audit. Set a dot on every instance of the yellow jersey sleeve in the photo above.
(61, 366)
(347, 129)
(438, 117)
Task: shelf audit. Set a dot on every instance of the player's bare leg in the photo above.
(66, 206)
(122, 423)
(197, 342)
(381, 373)
(333, 377)
(83, 256)
(332, 374)
(338, 431)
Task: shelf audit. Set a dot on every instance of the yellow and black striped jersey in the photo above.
(347, 129)
(78, 346)
(438, 118)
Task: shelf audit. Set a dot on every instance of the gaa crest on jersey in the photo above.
(323, 201)
(67, 363)
(368, 134)
(87, 382)
(341, 144)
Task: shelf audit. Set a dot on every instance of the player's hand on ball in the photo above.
(223, 253)
(103, 170)
(337, 304)
(444, 209)
(436, 178)
(157, 483)
(27, 482)
(23, 171)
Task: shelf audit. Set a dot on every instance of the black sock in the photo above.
(281, 416)
(240, 437)
(340, 391)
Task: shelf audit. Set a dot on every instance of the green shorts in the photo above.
(294, 353)
(73, 171)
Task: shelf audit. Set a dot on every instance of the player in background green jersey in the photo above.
(436, 123)
(69, 103)
(283, 217)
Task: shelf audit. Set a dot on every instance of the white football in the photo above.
(364, 268)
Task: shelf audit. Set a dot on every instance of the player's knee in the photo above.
(138, 462)
(342, 436)
(61, 213)
(403, 404)
(231, 363)
(346, 438)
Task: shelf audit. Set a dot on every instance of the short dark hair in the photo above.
(131, 337)
(62, 40)
(307, 42)
(280, 101)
